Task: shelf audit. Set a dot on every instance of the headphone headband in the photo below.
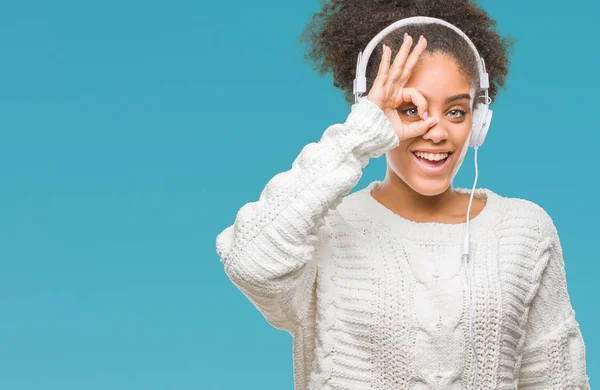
(481, 117)
(360, 82)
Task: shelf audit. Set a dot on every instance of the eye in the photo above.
(456, 113)
(411, 112)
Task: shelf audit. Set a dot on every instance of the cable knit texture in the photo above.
(376, 301)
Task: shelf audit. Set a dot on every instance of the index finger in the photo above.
(414, 96)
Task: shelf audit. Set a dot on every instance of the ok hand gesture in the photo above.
(388, 91)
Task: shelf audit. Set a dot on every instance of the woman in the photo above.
(371, 284)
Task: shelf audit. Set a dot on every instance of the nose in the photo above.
(436, 134)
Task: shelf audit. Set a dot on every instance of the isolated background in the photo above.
(133, 131)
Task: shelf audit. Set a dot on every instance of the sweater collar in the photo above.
(368, 206)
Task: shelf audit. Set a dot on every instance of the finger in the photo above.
(413, 95)
(412, 60)
(384, 65)
(417, 129)
(397, 66)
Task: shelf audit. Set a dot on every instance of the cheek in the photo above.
(399, 159)
(460, 132)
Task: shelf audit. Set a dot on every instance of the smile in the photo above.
(432, 163)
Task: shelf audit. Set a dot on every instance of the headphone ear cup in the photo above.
(485, 127)
(482, 118)
(476, 127)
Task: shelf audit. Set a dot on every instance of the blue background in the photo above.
(133, 131)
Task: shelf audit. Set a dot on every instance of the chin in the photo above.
(429, 186)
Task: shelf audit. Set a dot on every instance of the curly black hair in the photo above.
(342, 28)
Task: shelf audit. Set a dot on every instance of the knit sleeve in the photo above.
(269, 251)
(553, 354)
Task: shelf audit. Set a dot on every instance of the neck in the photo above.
(395, 194)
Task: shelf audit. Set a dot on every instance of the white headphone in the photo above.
(482, 117)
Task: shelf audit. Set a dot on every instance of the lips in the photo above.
(432, 167)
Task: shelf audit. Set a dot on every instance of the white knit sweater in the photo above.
(376, 301)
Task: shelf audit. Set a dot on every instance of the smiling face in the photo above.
(449, 96)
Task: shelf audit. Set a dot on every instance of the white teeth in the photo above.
(432, 156)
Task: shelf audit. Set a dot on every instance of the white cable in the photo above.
(472, 189)
(466, 255)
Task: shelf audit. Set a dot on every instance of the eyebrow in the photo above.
(453, 98)
(458, 97)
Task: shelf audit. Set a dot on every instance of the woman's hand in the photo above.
(388, 90)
